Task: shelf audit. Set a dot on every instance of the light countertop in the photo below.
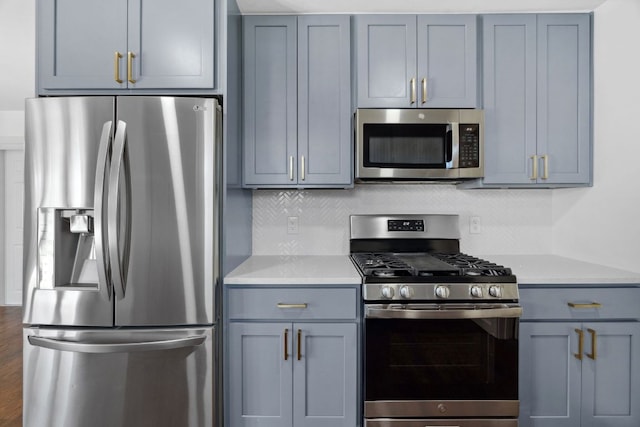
(294, 270)
(338, 270)
(553, 269)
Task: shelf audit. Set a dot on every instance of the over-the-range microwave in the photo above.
(418, 144)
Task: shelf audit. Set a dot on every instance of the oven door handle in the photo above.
(421, 312)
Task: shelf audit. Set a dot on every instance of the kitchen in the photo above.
(583, 223)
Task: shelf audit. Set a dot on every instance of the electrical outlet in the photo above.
(292, 225)
(475, 226)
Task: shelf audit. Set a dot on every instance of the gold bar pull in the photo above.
(545, 172)
(116, 67)
(286, 347)
(535, 168)
(302, 168)
(299, 344)
(594, 345)
(130, 56)
(424, 90)
(285, 305)
(290, 168)
(582, 306)
(413, 90)
(578, 355)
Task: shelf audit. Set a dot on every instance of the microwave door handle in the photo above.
(454, 144)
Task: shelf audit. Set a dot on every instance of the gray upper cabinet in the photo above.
(424, 61)
(537, 99)
(92, 45)
(297, 99)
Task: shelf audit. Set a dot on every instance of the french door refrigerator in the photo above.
(121, 261)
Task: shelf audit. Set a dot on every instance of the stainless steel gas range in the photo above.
(440, 327)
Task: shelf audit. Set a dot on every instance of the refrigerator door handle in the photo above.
(117, 158)
(98, 203)
(127, 347)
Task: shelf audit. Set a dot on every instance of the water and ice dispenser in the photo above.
(66, 249)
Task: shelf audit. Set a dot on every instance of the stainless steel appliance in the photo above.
(440, 327)
(419, 144)
(121, 261)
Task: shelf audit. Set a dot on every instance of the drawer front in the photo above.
(580, 303)
(292, 303)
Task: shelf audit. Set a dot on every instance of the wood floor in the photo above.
(10, 366)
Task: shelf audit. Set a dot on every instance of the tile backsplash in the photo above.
(511, 221)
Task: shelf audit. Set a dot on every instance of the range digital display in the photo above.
(405, 225)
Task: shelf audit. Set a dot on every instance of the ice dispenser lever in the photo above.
(81, 223)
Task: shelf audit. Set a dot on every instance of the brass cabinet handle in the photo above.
(302, 173)
(588, 305)
(545, 173)
(116, 67)
(290, 168)
(286, 305)
(594, 345)
(578, 355)
(286, 348)
(424, 90)
(534, 176)
(130, 56)
(299, 344)
(413, 90)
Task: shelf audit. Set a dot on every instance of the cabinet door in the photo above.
(549, 375)
(447, 61)
(324, 100)
(325, 375)
(270, 98)
(173, 46)
(386, 61)
(611, 377)
(564, 90)
(78, 41)
(509, 86)
(260, 374)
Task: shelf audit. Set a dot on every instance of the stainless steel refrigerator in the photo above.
(121, 261)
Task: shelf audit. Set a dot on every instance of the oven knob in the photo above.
(406, 292)
(386, 292)
(495, 291)
(442, 291)
(476, 291)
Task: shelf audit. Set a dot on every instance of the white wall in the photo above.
(17, 82)
(602, 224)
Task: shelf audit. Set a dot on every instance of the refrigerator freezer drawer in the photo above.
(150, 377)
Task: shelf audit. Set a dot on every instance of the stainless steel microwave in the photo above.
(419, 144)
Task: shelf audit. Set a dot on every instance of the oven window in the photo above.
(406, 145)
(441, 359)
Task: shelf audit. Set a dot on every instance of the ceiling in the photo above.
(414, 6)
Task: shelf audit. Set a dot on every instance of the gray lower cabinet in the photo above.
(579, 366)
(537, 99)
(297, 101)
(423, 61)
(292, 357)
(125, 44)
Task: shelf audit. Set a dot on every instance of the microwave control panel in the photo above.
(469, 150)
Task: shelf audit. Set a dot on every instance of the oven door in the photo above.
(449, 360)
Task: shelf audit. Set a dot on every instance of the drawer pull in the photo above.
(594, 346)
(285, 305)
(587, 305)
(580, 333)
